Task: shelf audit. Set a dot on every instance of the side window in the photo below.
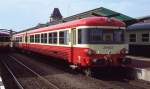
(44, 38)
(17, 39)
(63, 37)
(132, 37)
(55, 37)
(31, 38)
(79, 36)
(145, 37)
(20, 39)
(52, 38)
(37, 38)
(25, 38)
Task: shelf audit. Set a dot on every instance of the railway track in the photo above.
(21, 74)
(62, 79)
(127, 84)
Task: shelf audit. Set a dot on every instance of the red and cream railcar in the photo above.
(4, 41)
(86, 43)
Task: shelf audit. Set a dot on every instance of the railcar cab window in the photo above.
(99, 35)
(132, 37)
(37, 38)
(53, 38)
(63, 36)
(32, 39)
(44, 38)
(4, 38)
(145, 37)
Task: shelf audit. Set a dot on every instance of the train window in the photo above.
(4, 38)
(50, 38)
(132, 37)
(79, 36)
(108, 36)
(25, 38)
(145, 37)
(37, 38)
(32, 38)
(44, 38)
(55, 37)
(118, 36)
(20, 39)
(17, 39)
(95, 35)
(63, 36)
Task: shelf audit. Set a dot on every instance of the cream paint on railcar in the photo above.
(102, 48)
(70, 35)
(138, 37)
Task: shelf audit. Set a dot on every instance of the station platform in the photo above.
(141, 67)
(1, 82)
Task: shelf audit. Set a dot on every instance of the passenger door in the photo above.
(73, 42)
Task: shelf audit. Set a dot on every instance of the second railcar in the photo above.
(4, 42)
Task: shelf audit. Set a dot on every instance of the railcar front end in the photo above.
(100, 47)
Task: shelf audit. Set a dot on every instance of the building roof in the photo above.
(100, 12)
(139, 26)
(143, 17)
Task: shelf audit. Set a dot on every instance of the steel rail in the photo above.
(17, 82)
(53, 85)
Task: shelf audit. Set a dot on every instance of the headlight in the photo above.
(123, 51)
(89, 52)
(94, 60)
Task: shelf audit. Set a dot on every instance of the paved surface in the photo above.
(142, 67)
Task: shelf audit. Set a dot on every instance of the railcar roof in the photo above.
(90, 21)
(3, 34)
(139, 26)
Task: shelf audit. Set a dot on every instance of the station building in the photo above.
(138, 37)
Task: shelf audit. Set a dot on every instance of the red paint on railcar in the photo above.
(74, 55)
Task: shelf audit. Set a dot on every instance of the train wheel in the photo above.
(88, 72)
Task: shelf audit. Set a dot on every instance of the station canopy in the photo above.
(102, 12)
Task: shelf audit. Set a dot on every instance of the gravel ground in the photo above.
(59, 75)
(64, 79)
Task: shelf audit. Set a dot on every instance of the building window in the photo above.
(63, 35)
(44, 38)
(53, 38)
(32, 39)
(145, 37)
(132, 38)
(37, 38)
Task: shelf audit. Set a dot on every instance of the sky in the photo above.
(22, 14)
